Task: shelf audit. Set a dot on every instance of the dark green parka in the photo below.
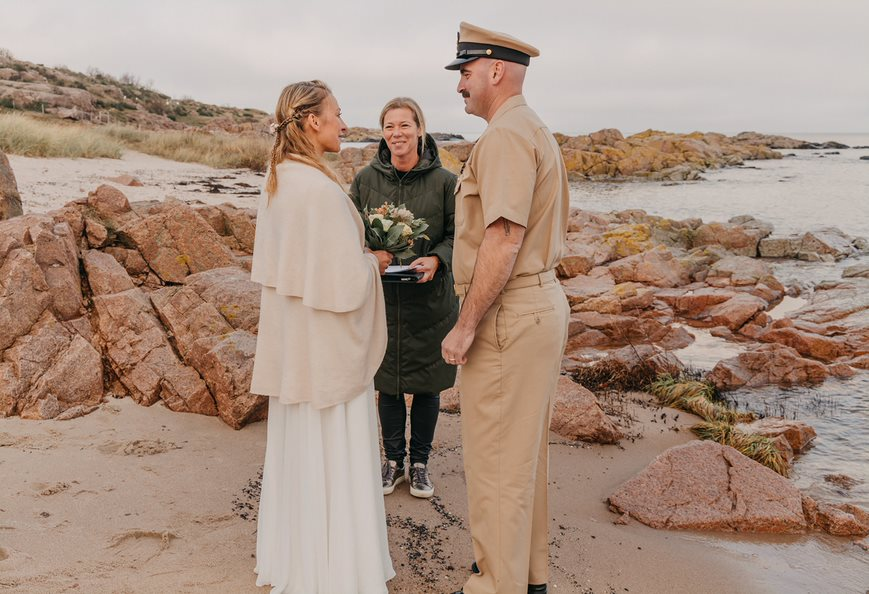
(418, 316)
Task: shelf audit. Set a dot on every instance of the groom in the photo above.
(511, 224)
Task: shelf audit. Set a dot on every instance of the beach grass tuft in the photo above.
(36, 137)
(695, 397)
(759, 448)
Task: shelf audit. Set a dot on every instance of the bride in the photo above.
(322, 335)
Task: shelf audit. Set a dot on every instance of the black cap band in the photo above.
(469, 51)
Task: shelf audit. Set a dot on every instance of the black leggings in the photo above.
(423, 419)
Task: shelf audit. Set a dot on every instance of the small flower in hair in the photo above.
(273, 128)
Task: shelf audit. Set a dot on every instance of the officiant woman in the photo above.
(407, 170)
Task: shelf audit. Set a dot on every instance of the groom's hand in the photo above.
(454, 347)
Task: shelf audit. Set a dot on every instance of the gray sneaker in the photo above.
(420, 482)
(392, 474)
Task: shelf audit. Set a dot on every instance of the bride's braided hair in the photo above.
(296, 102)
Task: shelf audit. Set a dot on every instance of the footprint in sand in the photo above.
(48, 490)
(137, 547)
(3, 554)
(45, 442)
(138, 447)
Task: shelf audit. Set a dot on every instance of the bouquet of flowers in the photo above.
(393, 229)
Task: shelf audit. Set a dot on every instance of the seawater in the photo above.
(805, 190)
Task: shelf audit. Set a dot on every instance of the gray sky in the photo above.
(677, 65)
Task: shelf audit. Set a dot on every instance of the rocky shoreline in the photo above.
(607, 155)
(152, 300)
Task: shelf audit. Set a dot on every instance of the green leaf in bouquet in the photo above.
(394, 234)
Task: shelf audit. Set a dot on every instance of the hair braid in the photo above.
(297, 101)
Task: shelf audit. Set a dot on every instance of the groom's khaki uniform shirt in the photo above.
(515, 172)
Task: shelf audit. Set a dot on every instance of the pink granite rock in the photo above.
(24, 294)
(797, 433)
(808, 344)
(703, 485)
(10, 199)
(226, 363)
(232, 293)
(140, 355)
(838, 519)
(655, 267)
(176, 242)
(105, 275)
(768, 364)
(188, 316)
(738, 239)
(577, 415)
(49, 371)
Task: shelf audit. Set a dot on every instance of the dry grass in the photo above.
(609, 374)
(34, 137)
(695, 397)
(220, 150)
(757, 447)
(31, 137)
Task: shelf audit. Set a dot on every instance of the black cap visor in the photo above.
(468, 52)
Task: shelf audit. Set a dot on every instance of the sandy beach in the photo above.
(131, 499)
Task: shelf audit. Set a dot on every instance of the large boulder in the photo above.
(235, 225)
(53, 247)
(48, 371)
(710, 306)
(139, 353)
(10, 199)
(226, 363)
(704, 485)
(175, 242)
(768, 364)
(798, 434)
(838, 519)
(577, 415)
(826, 244)
(216, 338)
(808, 344)
(655, 267)
(24, 294)
(232, 293)
(585, 286)
(739, 238)
(188, 317)
(738, 271)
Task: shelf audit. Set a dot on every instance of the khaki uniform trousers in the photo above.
(506, 390)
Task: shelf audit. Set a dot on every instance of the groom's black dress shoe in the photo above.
(532, 588)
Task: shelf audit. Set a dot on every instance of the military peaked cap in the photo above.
(475, 42)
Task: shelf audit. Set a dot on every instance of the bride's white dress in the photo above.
(321, 526)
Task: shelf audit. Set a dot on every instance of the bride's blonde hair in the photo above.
(295, 103)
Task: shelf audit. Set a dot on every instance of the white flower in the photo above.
(404, 215)
(386, 224)
(407, 231)
(371, 217)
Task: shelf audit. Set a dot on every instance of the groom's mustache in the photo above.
(465, 94)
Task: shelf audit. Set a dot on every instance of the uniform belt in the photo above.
(520, 282)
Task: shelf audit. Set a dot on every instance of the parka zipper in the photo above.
(398, 318)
